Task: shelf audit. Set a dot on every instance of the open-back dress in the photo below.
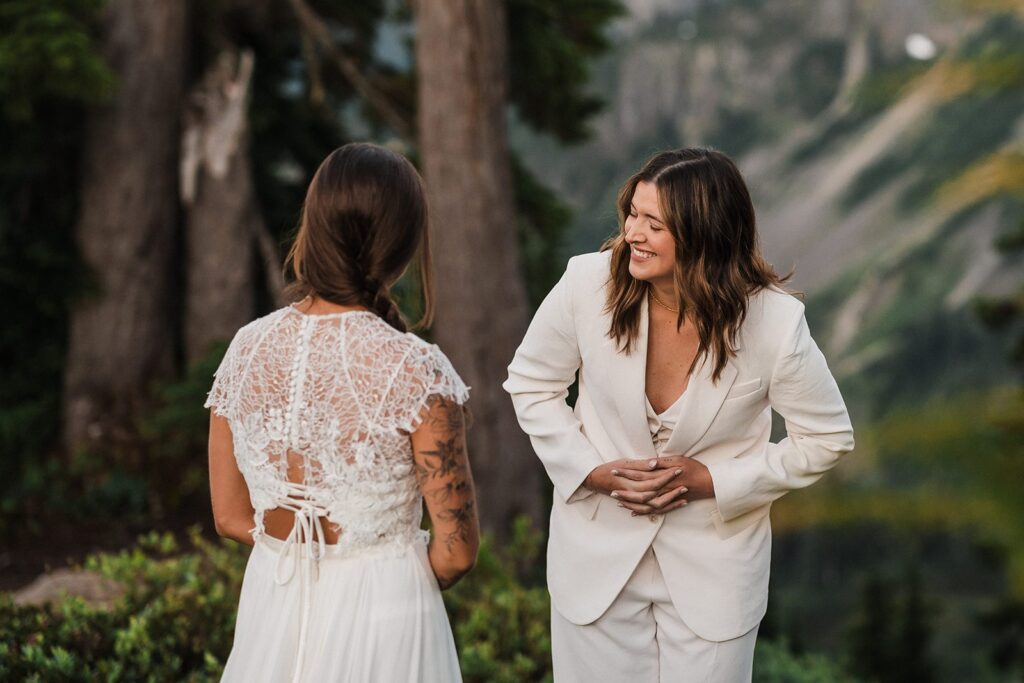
(320, 409)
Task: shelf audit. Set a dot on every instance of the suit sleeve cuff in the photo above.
(727, 477)
(581, 493)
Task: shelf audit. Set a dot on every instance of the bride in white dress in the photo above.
(331, 425)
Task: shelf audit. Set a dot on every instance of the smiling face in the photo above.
(652, 248)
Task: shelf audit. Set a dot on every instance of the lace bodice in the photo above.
(320, 409)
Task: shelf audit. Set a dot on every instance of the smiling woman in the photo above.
(683, 341)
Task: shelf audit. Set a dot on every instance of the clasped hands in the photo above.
(653, 485)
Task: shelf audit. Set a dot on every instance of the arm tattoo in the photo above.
(444, 474)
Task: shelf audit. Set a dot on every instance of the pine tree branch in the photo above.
(315, 29)
(271, 256)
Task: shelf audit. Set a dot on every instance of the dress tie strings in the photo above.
(307, 539)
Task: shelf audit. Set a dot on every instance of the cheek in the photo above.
(663, 243)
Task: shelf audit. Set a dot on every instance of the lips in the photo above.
(639, 254)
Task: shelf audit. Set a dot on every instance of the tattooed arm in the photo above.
(442, 469)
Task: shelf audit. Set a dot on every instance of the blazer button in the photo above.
(653, 518)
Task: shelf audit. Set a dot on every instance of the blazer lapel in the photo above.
(700, 407)
(630, 379)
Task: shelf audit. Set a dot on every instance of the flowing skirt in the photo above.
(372, 617)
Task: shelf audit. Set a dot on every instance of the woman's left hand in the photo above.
(692, 483)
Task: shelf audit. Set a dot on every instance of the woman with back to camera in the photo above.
(660, 543)
(330, 427)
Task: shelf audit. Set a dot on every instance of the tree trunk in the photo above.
(221, 212)
(122, 337)
(481, 301)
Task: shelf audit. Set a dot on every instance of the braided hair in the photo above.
(363, 221)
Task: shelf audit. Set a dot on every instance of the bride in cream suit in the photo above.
(664, 475)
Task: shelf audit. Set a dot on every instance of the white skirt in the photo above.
(376, 615)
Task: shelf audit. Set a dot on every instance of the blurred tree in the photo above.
(1005, 628)
(217, 143)
(126, 232)
(913, 637)
(222, 217)
(190, 120)
(50, 69)
(889, 641)
(463, 84)
(871, 637)
(482, 309)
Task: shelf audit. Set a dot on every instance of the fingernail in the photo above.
(614, 494)
(684, 502)
(621, 505)
(683, 490)
(615, 471)
(679, 472)
(632, 514)
(652, 463)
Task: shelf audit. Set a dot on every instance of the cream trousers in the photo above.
(642, 639)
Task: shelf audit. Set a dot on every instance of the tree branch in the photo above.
(315, 29)
(271, 257)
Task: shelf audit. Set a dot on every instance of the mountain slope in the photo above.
(872, 173)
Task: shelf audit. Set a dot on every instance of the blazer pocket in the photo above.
(744, 389)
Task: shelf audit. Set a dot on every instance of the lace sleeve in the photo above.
(426, 373)
(227, 377)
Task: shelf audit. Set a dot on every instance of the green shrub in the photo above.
(501, 625)
(175, 621)
(775, 663)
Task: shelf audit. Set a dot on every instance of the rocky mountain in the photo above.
(882, 142)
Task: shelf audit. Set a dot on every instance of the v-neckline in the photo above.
(676, 402)
(645, 321)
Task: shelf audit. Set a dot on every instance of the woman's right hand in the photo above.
(636, 484)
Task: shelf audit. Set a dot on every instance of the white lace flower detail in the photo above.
(362, 452)
(275, 424)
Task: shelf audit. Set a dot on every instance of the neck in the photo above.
(665, 292)
(316, 305)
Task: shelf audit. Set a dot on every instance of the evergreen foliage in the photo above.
(550, 46)
(889, 641)
(48, 53)
(175, 620)
(50, 70)
(300, 109)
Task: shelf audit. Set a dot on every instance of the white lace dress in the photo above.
(320, 409)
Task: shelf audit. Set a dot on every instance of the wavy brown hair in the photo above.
(364, 218)
(706, 206)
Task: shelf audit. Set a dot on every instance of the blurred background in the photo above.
(153, 159)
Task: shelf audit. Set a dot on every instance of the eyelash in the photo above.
(632, 214)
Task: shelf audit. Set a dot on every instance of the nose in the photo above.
(634, 234)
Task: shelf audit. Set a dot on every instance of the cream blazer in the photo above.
(714, 554)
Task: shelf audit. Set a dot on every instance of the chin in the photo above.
(636, 272)
(643, 271)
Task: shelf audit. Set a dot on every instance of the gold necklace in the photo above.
(662, 303)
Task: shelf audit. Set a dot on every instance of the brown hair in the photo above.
(706, 206)
(364, 217)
